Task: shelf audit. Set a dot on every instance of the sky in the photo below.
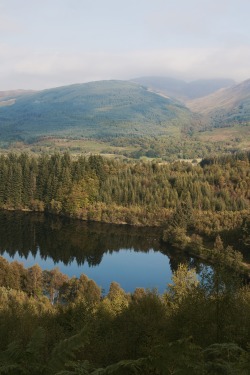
(50, 43)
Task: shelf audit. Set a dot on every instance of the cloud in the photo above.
(191, 17)
(39, 70)
(9, 25)
(51, 43)
(227, 62)
(199, 23)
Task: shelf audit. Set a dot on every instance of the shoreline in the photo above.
(203, 254)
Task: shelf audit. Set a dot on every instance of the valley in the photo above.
(153, 118)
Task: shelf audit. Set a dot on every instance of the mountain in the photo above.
(225, 107)
(171, 87)
(182, 90)
(8, 97)
(13, 93)
(204, 87)
(97, 109)
(129, 119)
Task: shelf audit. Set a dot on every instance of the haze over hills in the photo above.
(130, 118)
(8, 97)
(14, 93)
(96, 109)
(182, 90)
(226, 106)
(219, 102)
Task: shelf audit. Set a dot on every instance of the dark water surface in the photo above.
(133, 257)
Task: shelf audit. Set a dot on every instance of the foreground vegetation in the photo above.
(50, 324)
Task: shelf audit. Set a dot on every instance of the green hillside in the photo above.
(125, 119)
(226, 107)
(92, 110)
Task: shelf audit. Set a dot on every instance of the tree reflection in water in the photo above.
(74, 241)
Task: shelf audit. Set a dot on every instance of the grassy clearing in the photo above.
(74, 146)
(237, 136)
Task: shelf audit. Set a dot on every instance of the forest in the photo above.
(211, 196)
(92, 110)
(61, 184)
(53, 324)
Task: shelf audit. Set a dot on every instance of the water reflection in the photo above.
(131, 256)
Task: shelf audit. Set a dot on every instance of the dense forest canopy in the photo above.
(138, 193)
(62, 184)
(186, 200)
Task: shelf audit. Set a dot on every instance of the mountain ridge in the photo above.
(182, 90)
(229, 105)
(96, 109)
(126, 118)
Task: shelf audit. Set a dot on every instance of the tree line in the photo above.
(138, 193)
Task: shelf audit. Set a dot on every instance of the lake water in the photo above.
(133, 257)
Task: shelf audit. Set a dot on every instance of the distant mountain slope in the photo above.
(204, 87)
(13, 93)
(8, 97)
(227, 106)
(97, 109)
(182, 90)
(171, 87)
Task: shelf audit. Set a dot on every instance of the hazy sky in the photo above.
(47, 43)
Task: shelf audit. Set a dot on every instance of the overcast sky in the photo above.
(48, 43)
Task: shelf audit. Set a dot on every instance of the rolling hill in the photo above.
(101, 109)
(129, 119)
(225, 107)
(219, 102)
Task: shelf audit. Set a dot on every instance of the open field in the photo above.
(236, 136)
(74, 146)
